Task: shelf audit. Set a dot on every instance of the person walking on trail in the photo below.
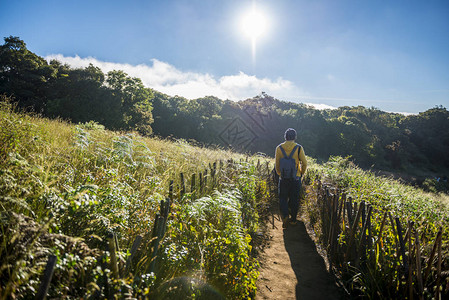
(291, 164)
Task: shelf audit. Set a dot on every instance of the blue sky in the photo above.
(393, 55)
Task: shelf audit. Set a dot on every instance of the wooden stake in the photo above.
(379, 237)
(437, 291)
(349, 209)
(362, 238)
(183, 186)
(432, 254)
(156, 236)
(410, 280)
(354, 229)
(170, 190)
(418, 266)
(112, 251)
(402, 245)
(193, 184)
(135, 246)
(46, 279)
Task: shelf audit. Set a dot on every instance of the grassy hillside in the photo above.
(381, 236)
(66, 188)
(412, 145)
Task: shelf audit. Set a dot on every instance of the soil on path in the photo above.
(292, 268)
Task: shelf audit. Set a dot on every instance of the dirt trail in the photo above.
(292, 268)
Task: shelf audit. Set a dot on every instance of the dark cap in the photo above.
(290, 134)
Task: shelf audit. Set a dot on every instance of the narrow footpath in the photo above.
(292, 268)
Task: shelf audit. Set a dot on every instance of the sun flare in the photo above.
(254, 24)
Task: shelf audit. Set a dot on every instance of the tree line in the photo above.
(415, 144)
(53, 89)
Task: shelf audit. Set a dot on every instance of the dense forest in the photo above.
(415, 144)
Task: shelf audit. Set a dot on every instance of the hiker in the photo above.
(291, 164)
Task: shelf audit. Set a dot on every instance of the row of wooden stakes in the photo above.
(351, 240)
(120, 268)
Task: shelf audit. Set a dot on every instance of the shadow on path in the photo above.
(314, 282)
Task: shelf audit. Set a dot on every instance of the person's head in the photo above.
(290, 134)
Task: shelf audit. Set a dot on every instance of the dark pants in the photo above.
(289, 197)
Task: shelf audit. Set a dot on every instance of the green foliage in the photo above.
(378, 272)
(65, 188)
(416, 144)
(401, 200)
(209, 239)
(114, 100)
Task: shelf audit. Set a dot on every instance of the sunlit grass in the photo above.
(64, 181)
(425, 213)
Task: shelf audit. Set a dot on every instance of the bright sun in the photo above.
(254, 24)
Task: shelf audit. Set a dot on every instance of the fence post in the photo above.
(432, 254)
(214, 171)
(183, 185)
(112, 251)
(46, 279)
(437, 290)
(133, 251)
(349, 211)
(379, 238)
(170, 190)
(158, 224)
(354, 229)
(401, 244)
(418, 266)
(193, 184)
(410, 271)
(362, 242)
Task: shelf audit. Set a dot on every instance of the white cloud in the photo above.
(167, 79)
(321, 106)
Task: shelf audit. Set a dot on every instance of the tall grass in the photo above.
(424, 213)
(66, 187)
(400, 199)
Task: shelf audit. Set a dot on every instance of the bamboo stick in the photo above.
(341, 207)
(193, 184)
(409, 280)
(369, 237)
(333, 224)
(406, 235)
(112, 251)
(379, 237)
(158, 224)
(183, 185)
(393, 226)
(135, 246)
(349, 209)
(170, 190)
(362, 239)
(119, 261)
(437, 291)
(46, 279)
(354, 229)
(432, 254)
(418, 266)
(402, 245)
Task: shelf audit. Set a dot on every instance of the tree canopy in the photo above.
(53, 89)
(371, 137)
